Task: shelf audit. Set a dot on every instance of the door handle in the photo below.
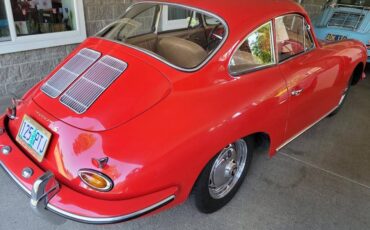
(297, 92)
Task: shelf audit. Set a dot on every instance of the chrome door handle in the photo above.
(297, 92)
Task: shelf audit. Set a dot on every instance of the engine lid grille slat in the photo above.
(86, 90)
(69, 72)
(346, 20)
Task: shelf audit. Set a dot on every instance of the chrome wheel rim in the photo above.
(227, 169)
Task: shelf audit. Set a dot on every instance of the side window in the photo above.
(255, 52)
(308, 41)
(290, 36)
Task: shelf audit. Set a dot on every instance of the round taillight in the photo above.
(96, 180)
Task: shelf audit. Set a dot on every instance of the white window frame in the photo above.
(38, 41)
(167, 24)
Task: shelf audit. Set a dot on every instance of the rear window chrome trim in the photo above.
(149, 53)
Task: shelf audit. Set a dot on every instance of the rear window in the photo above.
(182, 37)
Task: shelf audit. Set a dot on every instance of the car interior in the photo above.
(186, 46)
(292, 38)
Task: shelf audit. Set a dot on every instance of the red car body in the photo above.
(160, 126)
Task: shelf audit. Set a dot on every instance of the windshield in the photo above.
(365, 3)
(180, 36)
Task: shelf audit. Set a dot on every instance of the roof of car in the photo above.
(235, 12)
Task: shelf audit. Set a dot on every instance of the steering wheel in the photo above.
(213, 37)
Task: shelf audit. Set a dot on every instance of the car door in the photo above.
(262, 86)
(311, 77)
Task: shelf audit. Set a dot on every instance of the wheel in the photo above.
(222, 176)
(342, 99)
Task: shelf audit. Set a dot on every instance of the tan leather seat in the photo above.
(181, 52)
(243, 61)
(243, 58)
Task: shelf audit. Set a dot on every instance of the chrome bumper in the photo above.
(46, 186)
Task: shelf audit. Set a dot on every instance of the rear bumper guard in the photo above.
(44, 188)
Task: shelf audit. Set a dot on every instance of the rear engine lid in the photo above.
(109, 90)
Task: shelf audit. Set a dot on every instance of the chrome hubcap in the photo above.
(227, 169)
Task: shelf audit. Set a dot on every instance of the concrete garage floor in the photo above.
(319, 181)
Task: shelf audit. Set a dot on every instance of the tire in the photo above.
(343, 98)
(229, 167)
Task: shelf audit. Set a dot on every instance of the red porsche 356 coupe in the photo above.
(170, 99)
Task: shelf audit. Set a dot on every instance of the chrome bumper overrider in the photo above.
(46, 186)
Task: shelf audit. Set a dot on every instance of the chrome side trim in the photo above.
(110, 220)
(90, 220)
(305, 129)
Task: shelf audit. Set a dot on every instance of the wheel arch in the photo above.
(261, 140)
(357, 73)
(262, 143)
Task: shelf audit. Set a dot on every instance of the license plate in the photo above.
(334, 37)
(33, 137)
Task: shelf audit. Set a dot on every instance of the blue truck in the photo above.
(345, 19)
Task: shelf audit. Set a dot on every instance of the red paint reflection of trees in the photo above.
(83, 142)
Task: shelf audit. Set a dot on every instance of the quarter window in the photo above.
(255, 52)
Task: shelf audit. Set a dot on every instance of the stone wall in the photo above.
(20, 71)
